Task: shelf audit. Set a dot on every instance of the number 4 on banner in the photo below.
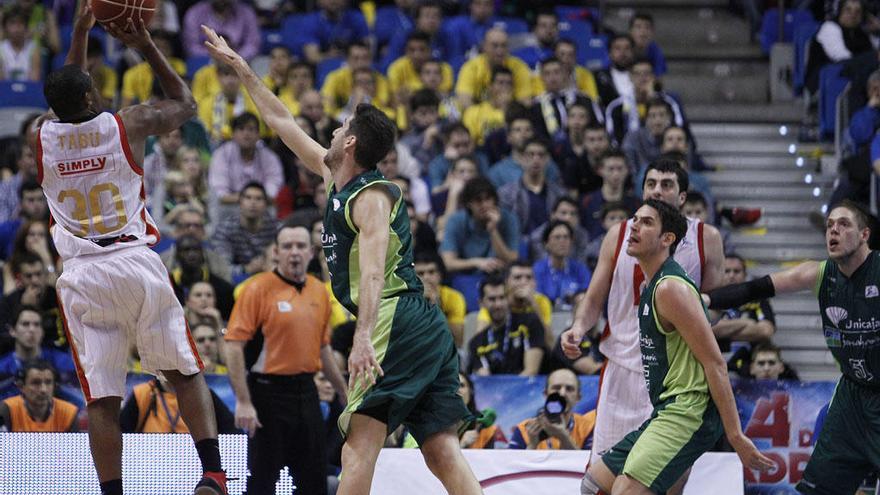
(777, 428)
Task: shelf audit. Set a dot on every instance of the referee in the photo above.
(279, 332)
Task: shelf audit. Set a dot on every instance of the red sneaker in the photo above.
(212, 483)
(745, 216)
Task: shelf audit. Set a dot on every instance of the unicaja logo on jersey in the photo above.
(836, 314)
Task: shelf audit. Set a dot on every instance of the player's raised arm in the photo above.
(79, 37)
(272, 110)
(164, 116)
(678, 304)
(800, 277)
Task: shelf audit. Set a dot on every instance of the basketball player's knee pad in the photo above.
(589, 485)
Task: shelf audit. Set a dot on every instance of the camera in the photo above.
(554, 406)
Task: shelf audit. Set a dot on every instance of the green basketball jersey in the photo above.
(340, 243)
(850, 308)
(669, 365)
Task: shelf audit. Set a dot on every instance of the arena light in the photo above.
(800, 161)
(792, 149)
(783, 130)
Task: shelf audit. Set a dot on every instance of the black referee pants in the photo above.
(293, 435)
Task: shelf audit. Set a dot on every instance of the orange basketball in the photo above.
(119, 11)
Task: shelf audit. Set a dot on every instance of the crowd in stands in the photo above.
(513, 157)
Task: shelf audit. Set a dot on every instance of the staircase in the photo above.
(723, 81)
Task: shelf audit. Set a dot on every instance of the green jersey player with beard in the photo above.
(846, 284)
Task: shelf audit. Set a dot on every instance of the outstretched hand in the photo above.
(85, 19)
(133, 34)
(218, 47)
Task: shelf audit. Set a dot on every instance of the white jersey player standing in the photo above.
(623, 403)
(114, 288)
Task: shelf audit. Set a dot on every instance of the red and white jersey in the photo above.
(93, 186)
(620, 340)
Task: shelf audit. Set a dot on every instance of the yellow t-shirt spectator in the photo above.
(476, 75)
(482, 119)
(137, 82)
(205, 82)
(337, 90)
(214, 107)
(107, 81)
(338, 313)
(452, 304)
(544, 311)
(583, 79)
(402, 73)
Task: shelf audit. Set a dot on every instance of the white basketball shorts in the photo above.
(622, 407)
(107, 300)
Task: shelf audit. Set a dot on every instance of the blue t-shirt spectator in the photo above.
(508, 170)
(320, 30)
(439, 168)
(863, 124)
(655, 55)
(465, 237)
(466, 33)
(61, 361)
(561, 285)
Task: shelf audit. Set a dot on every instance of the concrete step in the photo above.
(810, 357)
(779, 207)
(803, 322)
(794, 191)
(829, 373)
(717, 68)
(672, 4)
(771, 145)
(806, 238)
(719, 129)
(732, 161)
(802, 339)
(767, 178)
(696, 89)
(787, 113)
(806, 304)
(709, 28)
(770, 254)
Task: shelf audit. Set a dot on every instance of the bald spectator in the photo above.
(311, 106)
(614, 81)
(339, 84)
(234, 19)
(328, 31)
(476, 74)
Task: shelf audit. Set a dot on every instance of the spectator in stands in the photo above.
(207, 339)
(577, 78)
(390, 21)
(242, 239)
(242, 160)
(739, 329)
(339, 84)
(624, 114)
(429, 20)
(520, 132)
(532, 197)
(558, 275)
(424, 237)
(457, 142)
(364, 90)
(568, 431)
(475, 75)
(550, 108)
(192, 267)
(32, 238)
(767, 364)
(580, 174)
(541, 42)
(611, 214)
(615, 81)
(481, 435)
(418, 190)
(42, 23)
(32, 207)
(675, 139)
(511, 343)
(190, 221)
(300, 78)
(235, 19)
(488, 115)
(642, 146)
(468, 31)
(104, 79)
(865, 122)
(33, 290)
(26, 330)
(218, 110)
(565, 210)
(20, 58)
(157, 164)
(403, 73)
(277, 79)
(331, 408)
(570, 150)
(327, 32)
(613, 170)
(424, 138)
(430, 270)
(137, 81)
(36, 409)
(447, 199)
(482, 236)
(431, 77)
(523, 297)
(25, 169)
(696, 206)
(311, 106)
(641, 30)
(152, 407)
(201, 305)
(838, 39)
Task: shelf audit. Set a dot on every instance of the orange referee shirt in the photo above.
(294, 323)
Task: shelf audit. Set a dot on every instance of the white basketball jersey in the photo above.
(94, 188)
(620, 340)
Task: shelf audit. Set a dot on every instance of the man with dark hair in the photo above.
(220, 105)
(615, 81)
(22, 160)
(403, 73)
(457, 143)
(510, 343)
(641, 29)
(487, 116)
(642, 147)
(581, 162)
(102, 234)
(685, 374)
(29, 270)
(623, 403)
(625, 113)
(428, 20)
(568, 431)
(846, 286)
(244, 159)
(403, 367)
(424, 140)
(192, 267)
(36, 409)
(541, 42)
(339, 84)
(565, 209)
(550, 108)
(577, 77)
(532, 196)
(26, 329)
(242, 238)
(31, 207)
(520, 131)
(766, 363)
(613, 170)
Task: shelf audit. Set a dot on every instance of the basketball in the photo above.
(119, 11)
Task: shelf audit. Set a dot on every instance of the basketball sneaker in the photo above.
(212, 483)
